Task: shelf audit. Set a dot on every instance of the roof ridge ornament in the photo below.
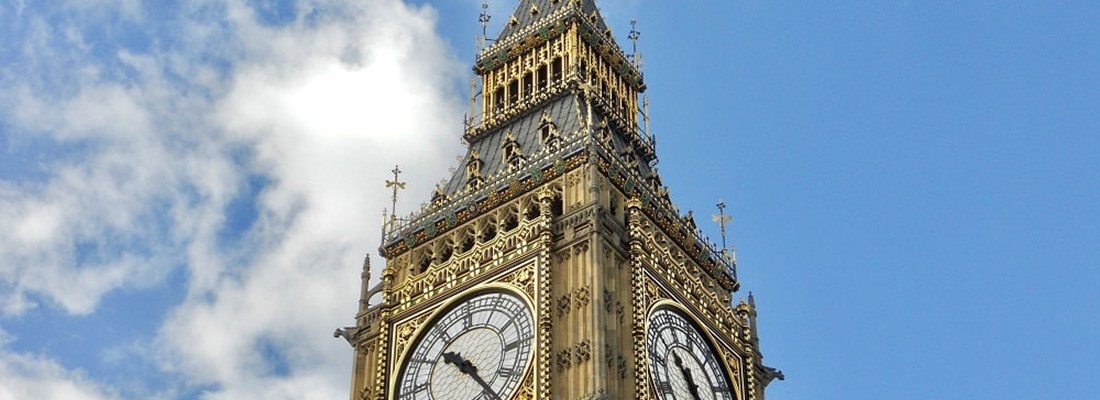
(484, 20)
(729, 253)
(633, 36)
(396, 184)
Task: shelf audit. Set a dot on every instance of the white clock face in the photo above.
(682, 363)
(478, 350)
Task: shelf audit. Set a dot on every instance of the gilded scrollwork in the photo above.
(405, 331)
(734, 365)
(526, 389)
(523, 278)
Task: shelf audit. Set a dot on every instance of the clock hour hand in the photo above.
(468, 368)
(692, 387)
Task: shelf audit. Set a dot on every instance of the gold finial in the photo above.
(395, 184)
(722, 219)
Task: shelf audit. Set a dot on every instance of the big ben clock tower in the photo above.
(553, 265)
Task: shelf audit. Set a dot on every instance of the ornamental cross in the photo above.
(395, 184)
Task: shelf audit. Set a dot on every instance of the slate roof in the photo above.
(522, 14)
(563, 113)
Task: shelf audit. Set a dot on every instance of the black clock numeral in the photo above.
(661, 360)
(664, 387)
(516, 343)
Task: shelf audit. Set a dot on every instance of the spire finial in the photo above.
(484, 20)
(722, 219)
(633, 36)
(385, 224)
(395, 184)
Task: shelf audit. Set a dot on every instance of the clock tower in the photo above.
(552, 264)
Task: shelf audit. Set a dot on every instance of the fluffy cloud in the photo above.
(248, 146)
(29, 377)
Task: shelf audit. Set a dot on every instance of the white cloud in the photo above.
(30, 377)
(157, 143)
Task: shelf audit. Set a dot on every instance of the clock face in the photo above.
(683, 365)
(477, 350)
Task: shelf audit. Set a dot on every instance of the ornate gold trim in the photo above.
(418, 324)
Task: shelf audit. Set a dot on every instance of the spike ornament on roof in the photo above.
(396, 185)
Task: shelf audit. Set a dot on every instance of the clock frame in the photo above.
(683, 361)
(477, 347)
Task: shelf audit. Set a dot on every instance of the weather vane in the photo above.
(722, 219)
(395, 184)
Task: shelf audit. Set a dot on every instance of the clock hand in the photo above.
(692, 387)
(468, 368)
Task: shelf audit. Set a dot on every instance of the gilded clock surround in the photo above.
(516, 282)
(559, 203)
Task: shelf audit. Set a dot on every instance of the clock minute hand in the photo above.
(692, 387)
(468, 368)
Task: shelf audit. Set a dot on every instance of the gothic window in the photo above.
(543, 77)
(528, 82)
(473, 171)
(532, 212)
(488, 231)
(556, 69)
(548, 132)
(510, 222)
(425, 262)
(513, 92)
(513, 155)
(498, 99)
(446, 252)
(613, 204)
(557, 207)
(467, 243)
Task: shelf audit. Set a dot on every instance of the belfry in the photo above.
(553, 264)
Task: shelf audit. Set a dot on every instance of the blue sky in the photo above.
(188, 190)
